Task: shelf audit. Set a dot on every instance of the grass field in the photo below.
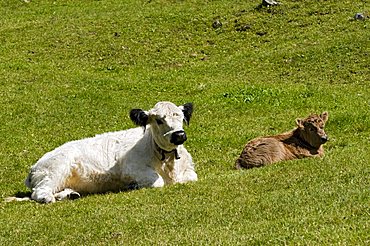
(73, 69)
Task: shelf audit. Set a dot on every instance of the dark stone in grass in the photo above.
(216, 24)
(268, 3)
(359, 16)
(242, 28)
(205, 58)
(261, 33)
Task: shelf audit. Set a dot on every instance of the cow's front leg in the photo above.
(185, 169)
(148, 178)
(189, 176)
(158, 183)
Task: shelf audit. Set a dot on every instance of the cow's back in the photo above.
(99, 151)
(83, 162)
(261, 151)
(104, 150)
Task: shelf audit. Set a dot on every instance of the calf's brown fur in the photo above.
(304, 141)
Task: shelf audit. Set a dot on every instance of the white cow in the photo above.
(148, 156)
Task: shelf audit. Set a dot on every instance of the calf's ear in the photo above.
(187, 110)
(139, 117)
(299, 123)
(324, 116)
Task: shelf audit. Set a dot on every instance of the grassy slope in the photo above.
(73, 69)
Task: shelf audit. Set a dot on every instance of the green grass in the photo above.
(73, 69)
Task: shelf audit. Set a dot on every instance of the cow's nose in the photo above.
(178, 137)
(324, 139)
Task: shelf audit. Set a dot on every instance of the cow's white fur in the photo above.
(133, 158)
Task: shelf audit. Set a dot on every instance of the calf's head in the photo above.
(312, 129)
(166, 123)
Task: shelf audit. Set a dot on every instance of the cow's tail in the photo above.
(17, 199)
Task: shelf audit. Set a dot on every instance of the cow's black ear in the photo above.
(139, 117)
(187, 110)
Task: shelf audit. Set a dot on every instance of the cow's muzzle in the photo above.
(178, 137)
(324, 139)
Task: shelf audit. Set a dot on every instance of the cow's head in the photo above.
(166, 123)
(312, 129)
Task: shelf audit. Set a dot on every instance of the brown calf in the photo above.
(304, 141)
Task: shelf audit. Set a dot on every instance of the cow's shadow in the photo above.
(26, 195)
(23, 194)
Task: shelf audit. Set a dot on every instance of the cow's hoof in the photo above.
(74, 195)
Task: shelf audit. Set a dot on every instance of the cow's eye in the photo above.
(159, 122)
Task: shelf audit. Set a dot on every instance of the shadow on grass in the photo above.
(22, 194)
(26, 196)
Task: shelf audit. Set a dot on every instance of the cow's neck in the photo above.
(166, 162)
(164, 154)
(302, 140)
